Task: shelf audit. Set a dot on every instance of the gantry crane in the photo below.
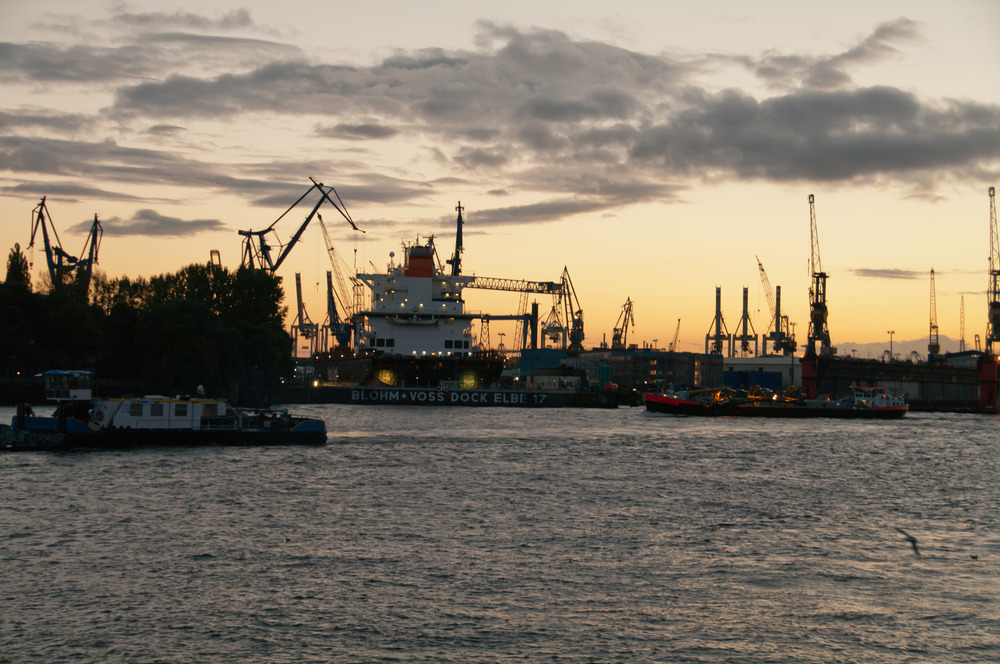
(256, 247)
(778, 329)
(993, 289)
(744, 328)
(718, 333)
(619, 337)
(818, 314)
(303, 326)
(66, 270)
(933, 344)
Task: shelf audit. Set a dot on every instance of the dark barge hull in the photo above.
(18, 440)
(656, 403)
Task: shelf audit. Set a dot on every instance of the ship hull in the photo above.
(658, 403)
(443, 397)
(42, 434)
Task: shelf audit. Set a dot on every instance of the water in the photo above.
(491, 535)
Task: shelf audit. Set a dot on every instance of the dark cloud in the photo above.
(888, 273)
(822, 136)
(164, 130)
(68, 192)
(237, 18)
(357, 132)
(49, 63)
(152, 223)
(62, 123)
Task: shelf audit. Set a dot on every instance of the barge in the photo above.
(81, 421)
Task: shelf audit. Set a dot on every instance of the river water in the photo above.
(492, 535)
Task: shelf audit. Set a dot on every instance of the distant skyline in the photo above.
(654, 151)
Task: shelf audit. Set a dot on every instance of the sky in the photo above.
(654, 150)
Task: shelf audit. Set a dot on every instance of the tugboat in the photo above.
(82, 421)
(862, 402)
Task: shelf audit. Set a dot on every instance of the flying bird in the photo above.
(911, 539)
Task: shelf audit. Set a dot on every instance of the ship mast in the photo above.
(456, 260)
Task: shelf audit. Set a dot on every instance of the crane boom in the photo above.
(619, 337)
(677, 332)
(766, 284)
(256, 247)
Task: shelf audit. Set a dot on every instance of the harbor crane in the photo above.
(66, 270)
(782, 341)
(745, 328)
(934, 344)
(993, 288)
(257, 248)
(818, 313)
(302, 326)
(341, 301)
(715, 340)
(677, 332)
(619, 337)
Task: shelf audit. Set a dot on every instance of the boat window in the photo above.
(390, 342)
(181, 410)
(211, 409)
(448, 343)
(156, 409)
(135, 409)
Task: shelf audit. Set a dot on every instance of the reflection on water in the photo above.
(487, 535)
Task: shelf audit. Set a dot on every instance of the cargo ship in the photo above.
(81, 421)
(413, 344)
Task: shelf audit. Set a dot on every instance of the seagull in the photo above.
(911, 539)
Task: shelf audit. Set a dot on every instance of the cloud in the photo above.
(551, 100)
(67, 192)
(151, 223)
(237, 18)
(832, 71)
(357, 132)
(888, 273)
(583, 126)
(62, 123)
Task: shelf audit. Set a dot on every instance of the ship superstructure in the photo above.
(416, 308)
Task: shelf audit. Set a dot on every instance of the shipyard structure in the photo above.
(404, 335)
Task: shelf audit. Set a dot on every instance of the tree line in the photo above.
(202, 325)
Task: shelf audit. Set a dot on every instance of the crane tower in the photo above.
(934, 345)
(744, 329)
(818, 330)
(993, 290)
(715, 339)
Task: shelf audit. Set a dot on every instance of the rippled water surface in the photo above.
(490, 535)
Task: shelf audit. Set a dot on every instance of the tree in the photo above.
(18, 272)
